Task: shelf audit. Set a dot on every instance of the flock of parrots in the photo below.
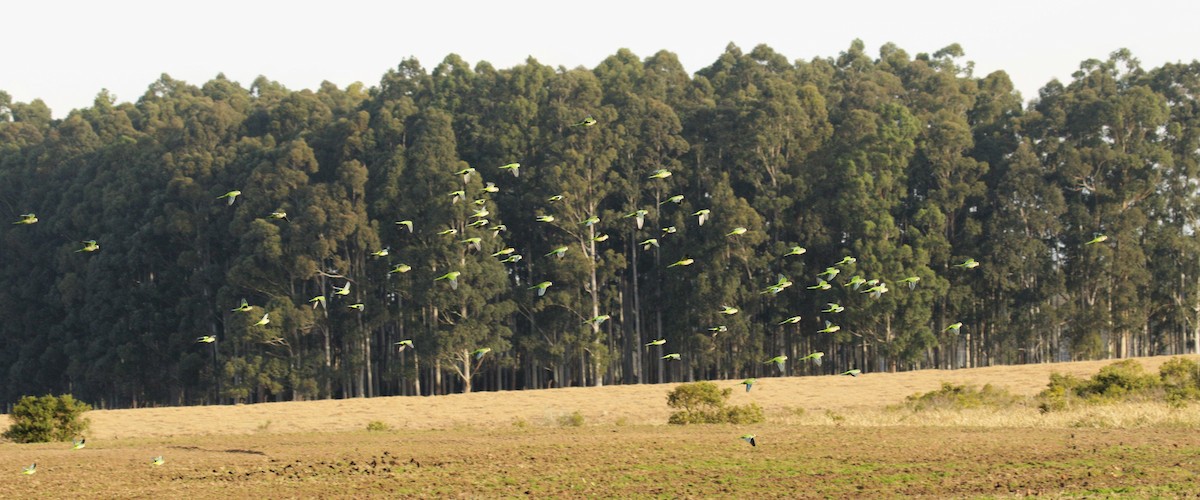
(873, 287)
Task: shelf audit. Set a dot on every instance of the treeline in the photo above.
(912, 165)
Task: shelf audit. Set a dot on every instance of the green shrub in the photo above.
(572, 420)
(961, 397)
(1120, 380)
(48, 418)
(1180, 378)
(704, 403)
(377, 426)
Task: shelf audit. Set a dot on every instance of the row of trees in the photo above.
(909, 164)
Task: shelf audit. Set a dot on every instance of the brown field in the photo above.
(824, 437)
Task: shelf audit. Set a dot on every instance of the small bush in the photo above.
(704, 403)
(48, 418)
(1178, 381)
(572, 420)
(961, 397)
(1120, 380)
(377, 426)
(1180, 378)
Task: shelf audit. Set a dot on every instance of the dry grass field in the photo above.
(824, 437)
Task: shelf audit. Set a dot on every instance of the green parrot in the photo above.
(452, 277)
(512, 258)
(737, 231)
(481, 351)
(591, 221)
(30, 470)
(89, 246)
(656, 342)
(266, 318)
(504, 251)
(156, 461)
(497, 229)
(778, 360)
(243, 307)
(599, 319)
(559, 252)
(846, 260)
(406, 223)
(661, 173)
(821, 285)
(639, 216)
(674, 356)
(206, 339)
(677, 199)
(381, 253)
(475, 242)
(669, 230)
(728, 310)
(344, 290)
(682, 262)
(490, 188)
(796, 250)
(1100, 238)
(748, 383)
(829, 328)
(790, 321)
(448, 232)
(816, 357)
(466, 174)
(911, 281)
(557, 197)
(515, 168)
(718, 329)
(855, 282)
(400, 268)
(652, 242)
(830, 272)
(541, 287)
(955, 326)
(853, 373)
(586, 122)
(968, 264)
(27, 219)
(403, 344)
(877, 290)
(702, 215)
(749, 438)
(600, 238)
(231, 196)
(317, 301)
(479, 223)
(480, 213)
(278, 214)
(456, 195)
(833, 307)
(545, 218)
(357, 307)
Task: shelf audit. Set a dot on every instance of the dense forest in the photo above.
(490, 229)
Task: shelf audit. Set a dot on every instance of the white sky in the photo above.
(65, 52)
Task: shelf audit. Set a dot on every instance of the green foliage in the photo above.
(1178, 381)
(378, 426)
(910, 164)
(705, 403)
(48, 418)
(575, 419)
(961, 397)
